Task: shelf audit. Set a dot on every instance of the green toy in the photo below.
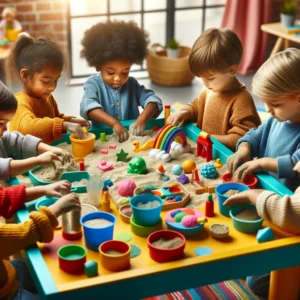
(122, 156)
(137, 165)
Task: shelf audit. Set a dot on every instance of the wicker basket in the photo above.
(169, 71)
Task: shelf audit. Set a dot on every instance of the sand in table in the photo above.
(164, 243)
(248, 214)
(97, 223)
(149, 204)
(231, 193)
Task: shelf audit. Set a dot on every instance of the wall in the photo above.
(42, 16)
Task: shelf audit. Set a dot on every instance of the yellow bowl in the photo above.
(82, 148)
(12, 34)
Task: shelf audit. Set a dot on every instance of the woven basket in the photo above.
(169, 71)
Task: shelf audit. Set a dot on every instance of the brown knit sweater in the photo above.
(15, 237)
(232, 113)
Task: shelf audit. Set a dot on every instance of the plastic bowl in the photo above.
(71, 258)
(164, 255)
(82, 148)
(245, 225)
(144, 231)
(45, 202)
(76, 176)
(219, 231)
(250, 180)
(125, 212)
(34, 180)
(223, 188)
(145, 216)
(94, 236)
(115, 262)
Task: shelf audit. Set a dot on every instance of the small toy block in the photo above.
(91, 268)
(102, 137)
(103, 151)
(81, 166)
(195, 176)
(204, 146)
(265, 235)
(112, 146)
(155, 128)
(200, 188)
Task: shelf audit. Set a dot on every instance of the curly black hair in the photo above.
(111, 40)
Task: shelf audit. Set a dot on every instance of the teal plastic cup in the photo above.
(45, 202)
(94, 236)
(223, 188)
(145, 216)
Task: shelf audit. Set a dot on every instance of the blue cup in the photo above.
(223, 188)
(45, 202)
(145, 216)
(94, 236)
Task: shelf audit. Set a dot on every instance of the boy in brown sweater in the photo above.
(225, 109)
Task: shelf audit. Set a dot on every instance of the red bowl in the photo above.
(250, 180)
(163, 255)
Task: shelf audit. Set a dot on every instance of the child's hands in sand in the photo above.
(65, 155)
(76, 129)
(176, 118)
(58, 189)
(65, 204)
(243, 198)
(248, 168)
(48, 158)
(137, 129)
(238, 158)
(121, 132)
(81, 122)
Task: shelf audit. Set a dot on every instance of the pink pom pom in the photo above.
(189, 221)
(126, 187)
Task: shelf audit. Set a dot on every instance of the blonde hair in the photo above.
(9, 11)
(215, 50)
(279, 75)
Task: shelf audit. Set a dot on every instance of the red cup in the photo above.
(250, 180)
(163, 255)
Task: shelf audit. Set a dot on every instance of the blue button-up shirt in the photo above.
(121, 103)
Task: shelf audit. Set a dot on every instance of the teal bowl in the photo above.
(76, 176)
(46, 201)
(34, 180)
(223, 188)
(245, 225)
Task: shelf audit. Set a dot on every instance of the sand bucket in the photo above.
(82, 148)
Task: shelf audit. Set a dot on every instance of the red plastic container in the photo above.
(250, 180)
(164, 255)
(71, 259)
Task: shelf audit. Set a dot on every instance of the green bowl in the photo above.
(76, 176)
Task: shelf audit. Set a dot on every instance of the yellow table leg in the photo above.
(287, 43)
(285, 284)
(277, 46)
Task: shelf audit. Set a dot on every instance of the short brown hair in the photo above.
(216, 49)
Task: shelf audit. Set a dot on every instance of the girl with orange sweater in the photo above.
(40, 63)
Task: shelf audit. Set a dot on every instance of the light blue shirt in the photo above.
(121, 103)
(279, 140)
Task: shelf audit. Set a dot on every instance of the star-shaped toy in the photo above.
(122, 156)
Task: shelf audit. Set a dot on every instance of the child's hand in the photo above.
(75, 128)
(121, 132)
(137, 130)
(81, 122)
(238, 158)
(176, 118)
(48, 158)
(243, 198)
(248, 168)
(58, 189)
(65, 204)
(297, 167)
(66, 156)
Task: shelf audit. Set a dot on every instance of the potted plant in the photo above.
(173, 48)
(288, 12)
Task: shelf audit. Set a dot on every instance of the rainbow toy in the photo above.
(167, 135)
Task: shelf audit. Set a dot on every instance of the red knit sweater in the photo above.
(11, 199)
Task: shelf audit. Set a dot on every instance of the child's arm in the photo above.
(178, 118)
(66, 156)
(39, 227)
(282, 212)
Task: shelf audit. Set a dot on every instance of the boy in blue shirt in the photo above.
(111, 95)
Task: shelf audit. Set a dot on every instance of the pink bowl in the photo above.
(250, 180)
(163, 255)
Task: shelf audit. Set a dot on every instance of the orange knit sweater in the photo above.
(232, 113)
(39, 118)
(16, 237)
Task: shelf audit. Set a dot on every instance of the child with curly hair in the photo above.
(111, 95)
(276, 143)
(225, 109)
(39, 63)
(18, 153)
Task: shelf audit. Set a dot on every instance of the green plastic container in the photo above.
(76, 176)
(34, 180)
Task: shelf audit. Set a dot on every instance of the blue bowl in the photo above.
(94, 236)
(245, 225)
(223, 188)
(145, 216)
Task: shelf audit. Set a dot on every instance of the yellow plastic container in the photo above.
(82, 148)
(12, 34)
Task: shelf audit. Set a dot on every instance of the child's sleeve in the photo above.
(11, 199)
(91, 98)
(39, 227)
(282, 212)
(286, 163)
(47, 129)
(146, 96)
